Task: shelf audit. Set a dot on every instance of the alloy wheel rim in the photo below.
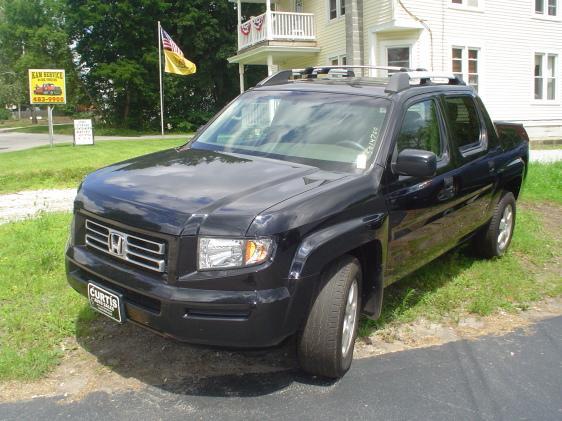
(505, 227)
(350, 318)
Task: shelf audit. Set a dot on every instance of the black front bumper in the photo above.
(248, 319)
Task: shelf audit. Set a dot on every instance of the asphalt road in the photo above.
(514, 377)
(15, 141)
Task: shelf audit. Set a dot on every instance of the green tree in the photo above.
(116, 45)
(32, 35)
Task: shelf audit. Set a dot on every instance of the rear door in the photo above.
(421, 211)
(474, 150)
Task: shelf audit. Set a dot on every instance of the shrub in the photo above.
(5, 114)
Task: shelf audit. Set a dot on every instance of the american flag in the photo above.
(169, 44)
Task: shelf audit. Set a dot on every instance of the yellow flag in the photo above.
(178, 64)
(175, 60)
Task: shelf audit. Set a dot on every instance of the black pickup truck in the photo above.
(293, 208)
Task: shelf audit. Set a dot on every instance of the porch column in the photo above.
(239, 14)
(241, 72)
(354, 33)
(268, 20)
(269, 65)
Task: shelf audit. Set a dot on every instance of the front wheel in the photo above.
(496, 238)
(325, 345)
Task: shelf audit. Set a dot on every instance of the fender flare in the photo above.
(327, 244)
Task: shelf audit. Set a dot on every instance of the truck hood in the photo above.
(194, 191)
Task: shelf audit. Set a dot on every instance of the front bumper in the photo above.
(247, 319)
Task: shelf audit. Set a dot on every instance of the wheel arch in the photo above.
(363, 238)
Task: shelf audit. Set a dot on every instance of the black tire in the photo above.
(319, 346)
(487, 244)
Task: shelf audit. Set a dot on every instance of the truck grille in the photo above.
(140, 251)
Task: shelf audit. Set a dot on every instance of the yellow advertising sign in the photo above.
(47, 86)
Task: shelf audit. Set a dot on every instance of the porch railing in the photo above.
(271, 26)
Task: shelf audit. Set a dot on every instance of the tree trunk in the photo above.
(127, 107)
(33, 115)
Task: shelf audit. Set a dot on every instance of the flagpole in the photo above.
(160, 75)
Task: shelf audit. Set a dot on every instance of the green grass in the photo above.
(545, 146)
(68, 129)
(544, 182)
(38, 310)
(457, 283)
(37, 307)
(65, 165)
(14, 123)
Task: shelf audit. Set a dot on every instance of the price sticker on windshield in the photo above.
(361, 161)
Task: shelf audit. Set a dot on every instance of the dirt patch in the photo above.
(550, 213)
(115, 357)
(423, 333)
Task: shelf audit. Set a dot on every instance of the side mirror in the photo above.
(416, 163)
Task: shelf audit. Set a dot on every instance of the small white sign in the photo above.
(83, 132)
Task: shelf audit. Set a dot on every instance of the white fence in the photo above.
(270, 26)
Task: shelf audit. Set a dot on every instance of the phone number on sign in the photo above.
(47, 100)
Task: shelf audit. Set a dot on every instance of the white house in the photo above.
(509, 50)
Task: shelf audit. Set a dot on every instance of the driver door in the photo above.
(421, 211)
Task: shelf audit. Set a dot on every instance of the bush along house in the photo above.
(508, 50)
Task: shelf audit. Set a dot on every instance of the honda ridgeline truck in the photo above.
(293, 208)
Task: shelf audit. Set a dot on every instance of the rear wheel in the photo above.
(496, 238)
(325, 345)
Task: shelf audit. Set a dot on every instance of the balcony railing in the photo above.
(276, 26)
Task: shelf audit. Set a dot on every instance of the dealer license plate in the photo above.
(106, 302)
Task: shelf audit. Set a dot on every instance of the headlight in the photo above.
(220, 253)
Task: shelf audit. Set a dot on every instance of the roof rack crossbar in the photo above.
(400, 79)
(284, 76)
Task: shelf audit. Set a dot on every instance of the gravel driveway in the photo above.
(26, 204)
(546, 156)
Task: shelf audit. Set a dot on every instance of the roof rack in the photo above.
(400, 80)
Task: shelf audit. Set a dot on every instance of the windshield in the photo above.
(330, 131)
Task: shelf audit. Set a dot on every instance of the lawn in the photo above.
(544, 182)
(98, 131)
(38, 310)
(65, 165)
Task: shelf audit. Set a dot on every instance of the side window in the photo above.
(464, 122)
(420, 128)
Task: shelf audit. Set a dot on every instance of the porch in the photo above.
(274, 36)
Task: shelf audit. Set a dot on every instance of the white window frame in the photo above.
(397, 44)
(545, 77)
(465, 60)
(545, 15)
(338, 10)
(465, 6)
(337, 57)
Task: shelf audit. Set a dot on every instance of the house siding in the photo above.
(506, 32)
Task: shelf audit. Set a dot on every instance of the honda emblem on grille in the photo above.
(116, 244)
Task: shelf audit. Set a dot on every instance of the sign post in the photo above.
(50, 119)
(47, 87)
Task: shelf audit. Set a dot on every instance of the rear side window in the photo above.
(464, 122)
(420, 128)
